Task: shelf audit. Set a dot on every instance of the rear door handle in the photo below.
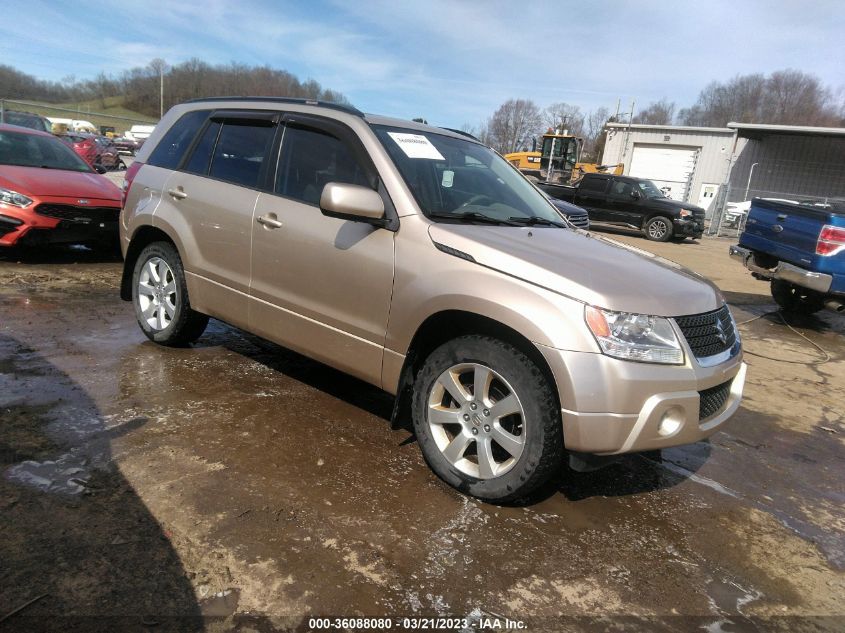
(179, 194)
(269, 222)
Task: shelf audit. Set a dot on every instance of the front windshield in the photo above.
(461, 179)
(34, 150)
(650, 190)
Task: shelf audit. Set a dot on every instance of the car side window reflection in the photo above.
(309, 160)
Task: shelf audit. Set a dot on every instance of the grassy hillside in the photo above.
(88, 110)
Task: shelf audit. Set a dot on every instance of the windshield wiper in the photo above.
(534, 220)
(472, 216)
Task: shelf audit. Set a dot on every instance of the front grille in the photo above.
(80, 215)
(713, 400)
(581, 220)
(709, 333)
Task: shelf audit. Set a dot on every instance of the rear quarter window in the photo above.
(173, 145)
(201, 157)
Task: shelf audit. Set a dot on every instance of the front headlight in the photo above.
(686, 213)
(7, 196)
(639, 337)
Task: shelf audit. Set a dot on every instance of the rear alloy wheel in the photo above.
(795, 299)
(659, 229)
(160, 297)
(486, 419)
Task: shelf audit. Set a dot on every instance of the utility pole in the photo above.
(628, 131)
(160, 65)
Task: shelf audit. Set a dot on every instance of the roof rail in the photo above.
(461, 132)
(312, 102)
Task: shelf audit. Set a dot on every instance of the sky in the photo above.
(452, 62)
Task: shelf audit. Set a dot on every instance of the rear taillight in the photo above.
(131, 172)
(831, 240)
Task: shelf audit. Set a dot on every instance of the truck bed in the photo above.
(779, 231)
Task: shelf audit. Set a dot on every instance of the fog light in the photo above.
(671, 421)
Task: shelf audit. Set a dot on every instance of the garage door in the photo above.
(668, 167)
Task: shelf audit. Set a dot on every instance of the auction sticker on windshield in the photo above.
(416, 146)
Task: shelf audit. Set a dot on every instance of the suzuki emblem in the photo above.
(720, 332)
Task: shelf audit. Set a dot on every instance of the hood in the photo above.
(567, 208)
(669, 203)
(584, 267)
(35, 181)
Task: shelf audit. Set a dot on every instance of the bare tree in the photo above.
(513, 125)
(566, 116)
(594, 137)
(796, 96)
(657, 113)
(788, 97)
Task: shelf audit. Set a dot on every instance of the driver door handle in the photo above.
(269, 222)
(179, 194)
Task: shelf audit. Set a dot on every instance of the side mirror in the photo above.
(635, 194)
(352, 202)
(100, 169)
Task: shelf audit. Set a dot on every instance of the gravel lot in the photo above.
(236, 480)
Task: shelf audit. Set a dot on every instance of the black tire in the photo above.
(541, 428)
(658, 229)
(795, 299)
(186, 325)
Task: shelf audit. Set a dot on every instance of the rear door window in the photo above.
(176, 141)
(593, 185)
(241, 150)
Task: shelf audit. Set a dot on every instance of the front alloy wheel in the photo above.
(659, 229)
(487, 418)
(476, 420)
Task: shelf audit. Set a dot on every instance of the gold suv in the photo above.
(420, 261)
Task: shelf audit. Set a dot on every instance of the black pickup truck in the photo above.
(632, 203)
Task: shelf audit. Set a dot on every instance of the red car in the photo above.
(98, 151)
(50, 195)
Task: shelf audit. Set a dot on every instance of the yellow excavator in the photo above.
(558, 160)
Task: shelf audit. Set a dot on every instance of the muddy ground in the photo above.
(237, 486)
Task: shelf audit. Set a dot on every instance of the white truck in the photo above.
(139, 132)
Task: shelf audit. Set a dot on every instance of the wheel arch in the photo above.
(655, 214)
(444, 326)
(144, 236)
(659, 214)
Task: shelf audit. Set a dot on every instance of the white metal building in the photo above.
(689, 163)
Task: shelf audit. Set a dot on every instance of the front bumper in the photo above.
(29, 227)
(689, 228)
(820, 282)
(610, 406)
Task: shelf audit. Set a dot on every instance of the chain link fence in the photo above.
(798, 181)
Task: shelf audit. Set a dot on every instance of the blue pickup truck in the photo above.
(800, 249)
